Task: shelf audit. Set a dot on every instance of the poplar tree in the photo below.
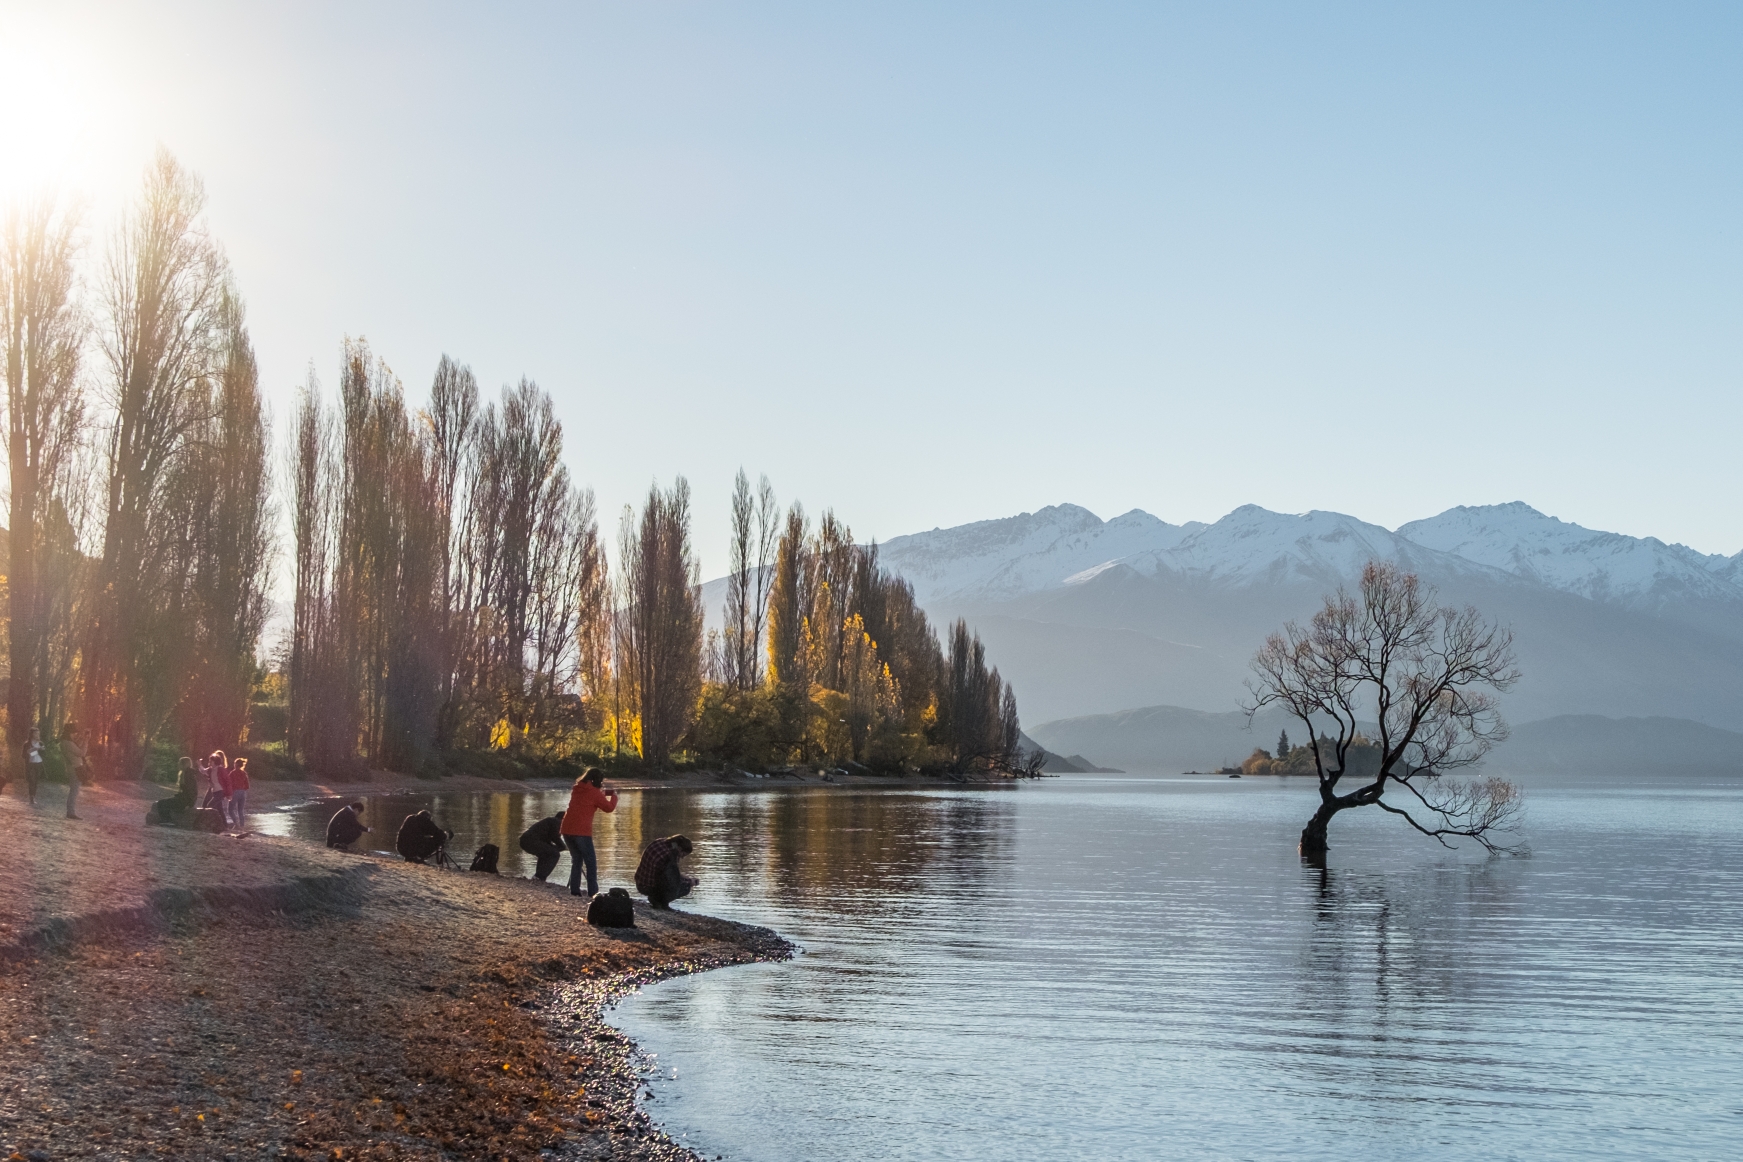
(42, 333)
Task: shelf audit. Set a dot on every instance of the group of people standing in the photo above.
(570, 830)
(219, 784)
(72, 744)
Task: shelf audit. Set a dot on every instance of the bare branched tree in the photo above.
(164, 289)
(1428, 675)
(42, 332)
(736, 649)
(313, 677)
(662, 606)
(980, 711)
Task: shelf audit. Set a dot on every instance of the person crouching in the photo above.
(658, 876)
(346, 826)
(420, 838)
(544, 842)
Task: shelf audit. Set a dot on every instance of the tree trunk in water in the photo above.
(1313, 845)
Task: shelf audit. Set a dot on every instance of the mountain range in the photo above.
(1090, 617)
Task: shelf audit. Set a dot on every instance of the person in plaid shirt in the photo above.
(659, 877)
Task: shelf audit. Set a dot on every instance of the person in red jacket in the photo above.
(589, 795)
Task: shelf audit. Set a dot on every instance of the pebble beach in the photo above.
(171, 994)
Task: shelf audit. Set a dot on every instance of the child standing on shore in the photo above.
(238, 791)
(589, 795)
(33, 763)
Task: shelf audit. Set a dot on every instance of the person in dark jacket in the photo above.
(174, 810)
(544, 842)
(420, 837)
(346, 826)
(658, 876)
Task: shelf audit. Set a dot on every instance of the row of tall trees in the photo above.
(854, 670)
(139, 524)
(450, 589)
(448, 576)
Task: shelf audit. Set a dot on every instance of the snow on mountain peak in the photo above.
(1023, 553)
(1253, 544)
(1634, 571)
(1068, 545)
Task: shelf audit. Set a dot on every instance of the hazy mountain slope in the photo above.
(1166, 739)
(1169, 739)
(1065, 653)
(1590, 744)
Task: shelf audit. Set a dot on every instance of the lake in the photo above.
(1127, 967)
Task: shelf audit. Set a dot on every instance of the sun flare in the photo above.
(57, 114)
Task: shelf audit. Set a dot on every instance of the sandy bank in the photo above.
(196, 996)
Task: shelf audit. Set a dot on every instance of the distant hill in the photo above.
(1164, 738)
(1590, 744)
(1172, 739)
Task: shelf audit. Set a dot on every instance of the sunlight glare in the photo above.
(58, 118)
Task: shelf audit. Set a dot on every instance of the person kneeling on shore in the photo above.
(346, 826)
(174, 810)
(658, 876)
(544, 842)
(420, 837)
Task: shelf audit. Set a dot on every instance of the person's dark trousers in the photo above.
(32, 777)
(546, 854)
(670, 886)
(581, 855)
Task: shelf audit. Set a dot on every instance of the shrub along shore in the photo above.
(183, 995)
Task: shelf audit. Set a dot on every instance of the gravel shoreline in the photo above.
(169, 994)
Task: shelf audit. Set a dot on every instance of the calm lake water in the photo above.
(1124, 967)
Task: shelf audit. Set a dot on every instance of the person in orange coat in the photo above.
(589, 795)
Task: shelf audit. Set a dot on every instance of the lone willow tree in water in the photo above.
(1427, 675)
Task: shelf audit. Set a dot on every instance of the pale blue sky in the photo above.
(933, 264)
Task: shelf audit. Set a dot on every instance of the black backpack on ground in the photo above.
(208, 819)
(613, 909)
(484, 859)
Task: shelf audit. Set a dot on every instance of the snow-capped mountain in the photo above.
(1025, 553)
(1638, 572)
(1254, 545)
(1067, 545)
(1086, 616)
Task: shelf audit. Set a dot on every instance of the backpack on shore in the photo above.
(613, 909)
(484, 859)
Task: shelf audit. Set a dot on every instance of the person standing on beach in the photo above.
(238, 791)
(221, 783)
(544, 842)
(78, 767)
(33, 763)
(587, 796)
(210, 795)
